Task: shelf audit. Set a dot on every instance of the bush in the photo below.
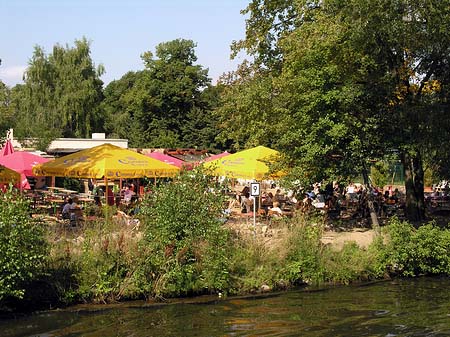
(351, 264)
(252, 265)
(185, 245)
(22, 245)
(104, 263)
(422, 251)
(304, 259)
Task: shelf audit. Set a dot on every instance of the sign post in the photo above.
(254, 192)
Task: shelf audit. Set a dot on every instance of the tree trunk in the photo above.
(414, 183)
(373, 213)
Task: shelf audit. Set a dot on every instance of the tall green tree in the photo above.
(355, 79)
(61, 94)
(249, 111)
(120, 106)
(160, 106)
(7, 118)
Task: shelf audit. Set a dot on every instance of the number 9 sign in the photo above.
(254, 189)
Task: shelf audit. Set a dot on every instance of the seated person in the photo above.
(305, 205)
(97, 192)
(246, 203)
(66, 209)
(279, 197)
(127, 194)
(396, 195)
(276, 210)
(266, 198)
(75, 210)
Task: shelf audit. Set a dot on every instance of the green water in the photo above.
(418, 307)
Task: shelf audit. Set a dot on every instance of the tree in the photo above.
(200, 127)
(119, 106)
(248, 112)
(353, 80)
(61, 94)
(162, 102)
(7, 118)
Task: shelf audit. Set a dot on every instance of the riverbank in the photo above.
(181, 246)
(97, 263)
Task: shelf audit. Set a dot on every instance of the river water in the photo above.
(419, 307)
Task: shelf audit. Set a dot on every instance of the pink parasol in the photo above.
(167, 159)
(24, 184)
(22, 162)
(7, 148)
(216, 156)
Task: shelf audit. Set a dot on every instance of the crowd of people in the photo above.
(124, 199)
(332, 199)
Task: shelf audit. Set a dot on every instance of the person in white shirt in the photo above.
(276, 210)
(127, 194)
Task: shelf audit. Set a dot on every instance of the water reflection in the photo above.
(395, 308)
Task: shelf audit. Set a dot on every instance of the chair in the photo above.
(76, 216)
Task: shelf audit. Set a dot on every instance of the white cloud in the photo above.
(12, 75)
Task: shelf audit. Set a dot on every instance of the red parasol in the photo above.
(7, 148)
(169, 160)
(216, 156)
(22, 162)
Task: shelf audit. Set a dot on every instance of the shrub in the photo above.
(422, 251)
(304, 259)
(350, 264)
(185, 245)
(22, 245)
(252, 265)
(104, 263)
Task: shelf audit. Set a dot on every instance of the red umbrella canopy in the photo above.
(169, 159)
(216, 156)
(22, 162)
(7, 148)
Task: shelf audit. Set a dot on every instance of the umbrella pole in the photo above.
(106, 201)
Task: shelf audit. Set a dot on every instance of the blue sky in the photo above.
(119, 31)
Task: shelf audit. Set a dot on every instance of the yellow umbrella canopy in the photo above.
(247, 164)
(7, 175)
(105, 161)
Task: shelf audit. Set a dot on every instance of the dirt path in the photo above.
(362, 237)
(272, 234)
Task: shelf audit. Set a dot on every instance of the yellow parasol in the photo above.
(7, 175)
(247, 164)
(106, 161)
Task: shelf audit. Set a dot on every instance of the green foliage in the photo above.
(421, 251)
(304, 260)
(166, 105)
(252, 264)
(379, 174)
(7, 118)
(345, 82)
(22, 245)
(61, 94)
(73, 184)
(248, 113)
(185, 245)
(352, 264)
(104, 265)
